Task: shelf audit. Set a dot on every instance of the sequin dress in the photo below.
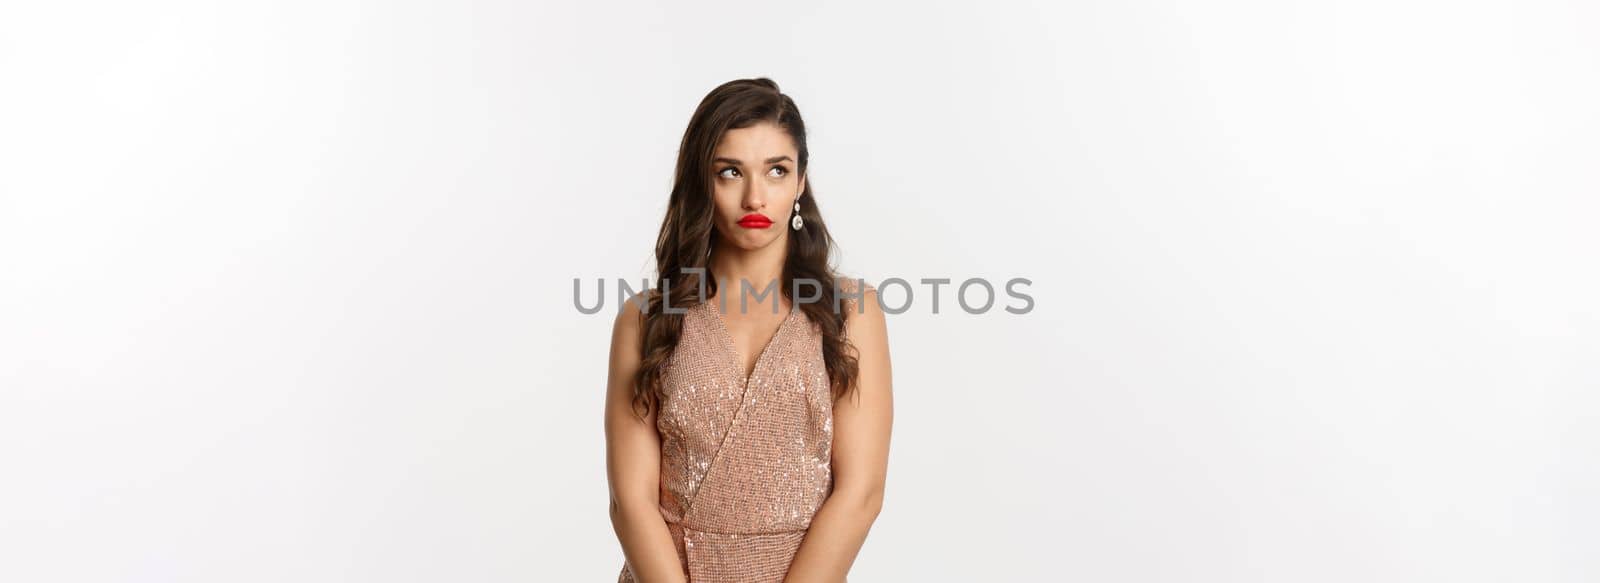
(745, 462)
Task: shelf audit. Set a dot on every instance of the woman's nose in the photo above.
(755, 196)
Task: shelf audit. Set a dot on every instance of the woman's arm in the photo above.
(860, 457)
(633, 463)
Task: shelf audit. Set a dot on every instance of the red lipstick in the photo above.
(755, 221)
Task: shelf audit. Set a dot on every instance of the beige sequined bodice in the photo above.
(745, 462)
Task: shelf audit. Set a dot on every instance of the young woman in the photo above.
(748, 409)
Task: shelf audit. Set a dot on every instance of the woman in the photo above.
(748, 405)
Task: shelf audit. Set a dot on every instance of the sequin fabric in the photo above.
(745, 462)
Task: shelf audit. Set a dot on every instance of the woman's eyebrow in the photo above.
(772, 160)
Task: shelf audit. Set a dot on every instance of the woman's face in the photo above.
(754, 186)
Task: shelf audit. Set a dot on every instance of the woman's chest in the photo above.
(708, 393)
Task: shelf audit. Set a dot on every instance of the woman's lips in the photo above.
(755, 221)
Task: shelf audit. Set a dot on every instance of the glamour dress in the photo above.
(745, 462)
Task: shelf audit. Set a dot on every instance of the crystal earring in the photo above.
(797, 222)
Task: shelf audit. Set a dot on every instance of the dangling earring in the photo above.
(797, 222)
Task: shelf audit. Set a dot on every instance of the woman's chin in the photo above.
(752, 239)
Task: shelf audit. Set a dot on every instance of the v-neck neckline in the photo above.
(731, 348)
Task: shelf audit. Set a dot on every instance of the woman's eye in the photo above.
(724, 171)
(781, 171)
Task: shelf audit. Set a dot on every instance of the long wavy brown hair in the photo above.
(687, 236)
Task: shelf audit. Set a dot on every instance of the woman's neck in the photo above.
(761, 267)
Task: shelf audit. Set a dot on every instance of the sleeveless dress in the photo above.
(745, 462)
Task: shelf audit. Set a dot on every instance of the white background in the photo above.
(286, 288)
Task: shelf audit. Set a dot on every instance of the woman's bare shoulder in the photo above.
(859, 296)
(630, 316)
(853, 284)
